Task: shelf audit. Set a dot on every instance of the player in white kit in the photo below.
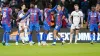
(76, 20)
(22, 26)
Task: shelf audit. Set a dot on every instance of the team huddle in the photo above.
(28, 20)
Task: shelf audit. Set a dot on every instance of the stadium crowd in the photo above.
(84, 5)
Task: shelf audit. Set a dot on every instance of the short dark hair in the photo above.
(93, 6)
(23, 4)
(6, 3)
(32, 3)
(76, 5)
(25, 10)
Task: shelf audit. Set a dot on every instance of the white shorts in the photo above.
(21, 26)
(75, 26)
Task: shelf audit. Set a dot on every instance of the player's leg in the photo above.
(96, 36)
(4, 35)
(91, 33)
(22, 36)
(77, 32)
(71, 33)
(26, 34)
(61, 39)
(30, 34)
(37, 28)
(76, 36)
(55, 36)
(56, 30)
(96, 32)
(17, 37)
(8, 29)
(44, 35)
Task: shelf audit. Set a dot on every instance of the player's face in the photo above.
(23, 7)
(93, 8)
(98, 7)
(59, 7)
(50, 6)
(76, 7)
(62, 8)
(31, 5)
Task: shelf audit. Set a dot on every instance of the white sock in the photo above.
(76, 38)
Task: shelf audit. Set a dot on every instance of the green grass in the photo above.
(81, 49)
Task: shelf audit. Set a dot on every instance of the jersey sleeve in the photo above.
(72, 13)
(81, 13)
(53, 9)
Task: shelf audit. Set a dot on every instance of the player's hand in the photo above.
(88, 26)
(81, 25)
(18, 20)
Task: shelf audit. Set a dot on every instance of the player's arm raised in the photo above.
(25, 15)
(53, 9)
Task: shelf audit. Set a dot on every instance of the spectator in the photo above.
(64, 3)
(1, 2)
(84, 7)
(70, 6)
(15, 13)
(13, 4)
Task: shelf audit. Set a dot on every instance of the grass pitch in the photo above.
(81, 49)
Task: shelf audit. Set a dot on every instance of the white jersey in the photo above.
(76, 16)
(24, 22)
(76, 19)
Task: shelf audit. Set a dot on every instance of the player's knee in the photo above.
(30, 32)
(46, 32)
(96, 33)
(91, 33)
(7, 32)
(37, 32)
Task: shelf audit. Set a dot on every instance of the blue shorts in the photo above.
(35, 27)
(94, 27)
(57, 28)
(46, 27)
(6, 27)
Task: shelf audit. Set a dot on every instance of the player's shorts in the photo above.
(94, 27)
(75, 26)
(21, 26)
(35, 27)
(6, 27)
(46, 27)
(57, 28)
